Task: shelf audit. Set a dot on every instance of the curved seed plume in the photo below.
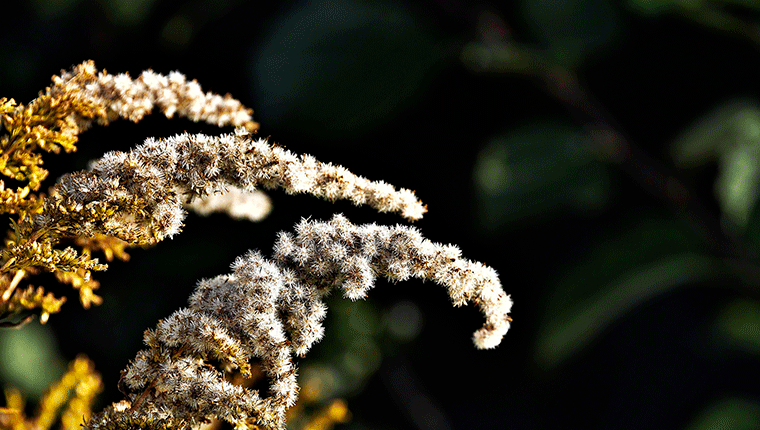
(353, 256)
(121, 96)
(137, 196)
(269, 310)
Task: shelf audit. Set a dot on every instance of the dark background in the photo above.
(601, 155)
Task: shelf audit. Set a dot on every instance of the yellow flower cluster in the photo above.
(52, 122)
(76, 389)
(251, 322)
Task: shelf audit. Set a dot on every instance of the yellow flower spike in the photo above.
(77, 387)
(335, 413)
(12, 416)
(111, 247)
(12, 285)
(28, 299)
(10, 419)
(80, 280)
(89, 385)
(14, 400)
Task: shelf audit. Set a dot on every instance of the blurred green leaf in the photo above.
(537, 170)
(572, 30)
(350, 350)
(737, 325)
(128, 12)
(731, 17)
(29, 358)
(622, 272)
(403, 321)
(54, 9)
(653, 7)
(728, 414)
(339, 66)
(710, 8)
(734, 123)
(504, 58)
(752, 230)
(730, 134)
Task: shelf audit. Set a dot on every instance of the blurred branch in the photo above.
(711, 14)
(654, 176)
(608, 140)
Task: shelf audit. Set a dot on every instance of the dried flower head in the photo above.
(52, 122)
(138, 196)
(260, 316)
(269, 310)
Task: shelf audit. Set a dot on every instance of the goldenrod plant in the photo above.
(198, 363)
(76, 389)
(53, 121)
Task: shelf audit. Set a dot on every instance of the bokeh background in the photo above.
(603, 156)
